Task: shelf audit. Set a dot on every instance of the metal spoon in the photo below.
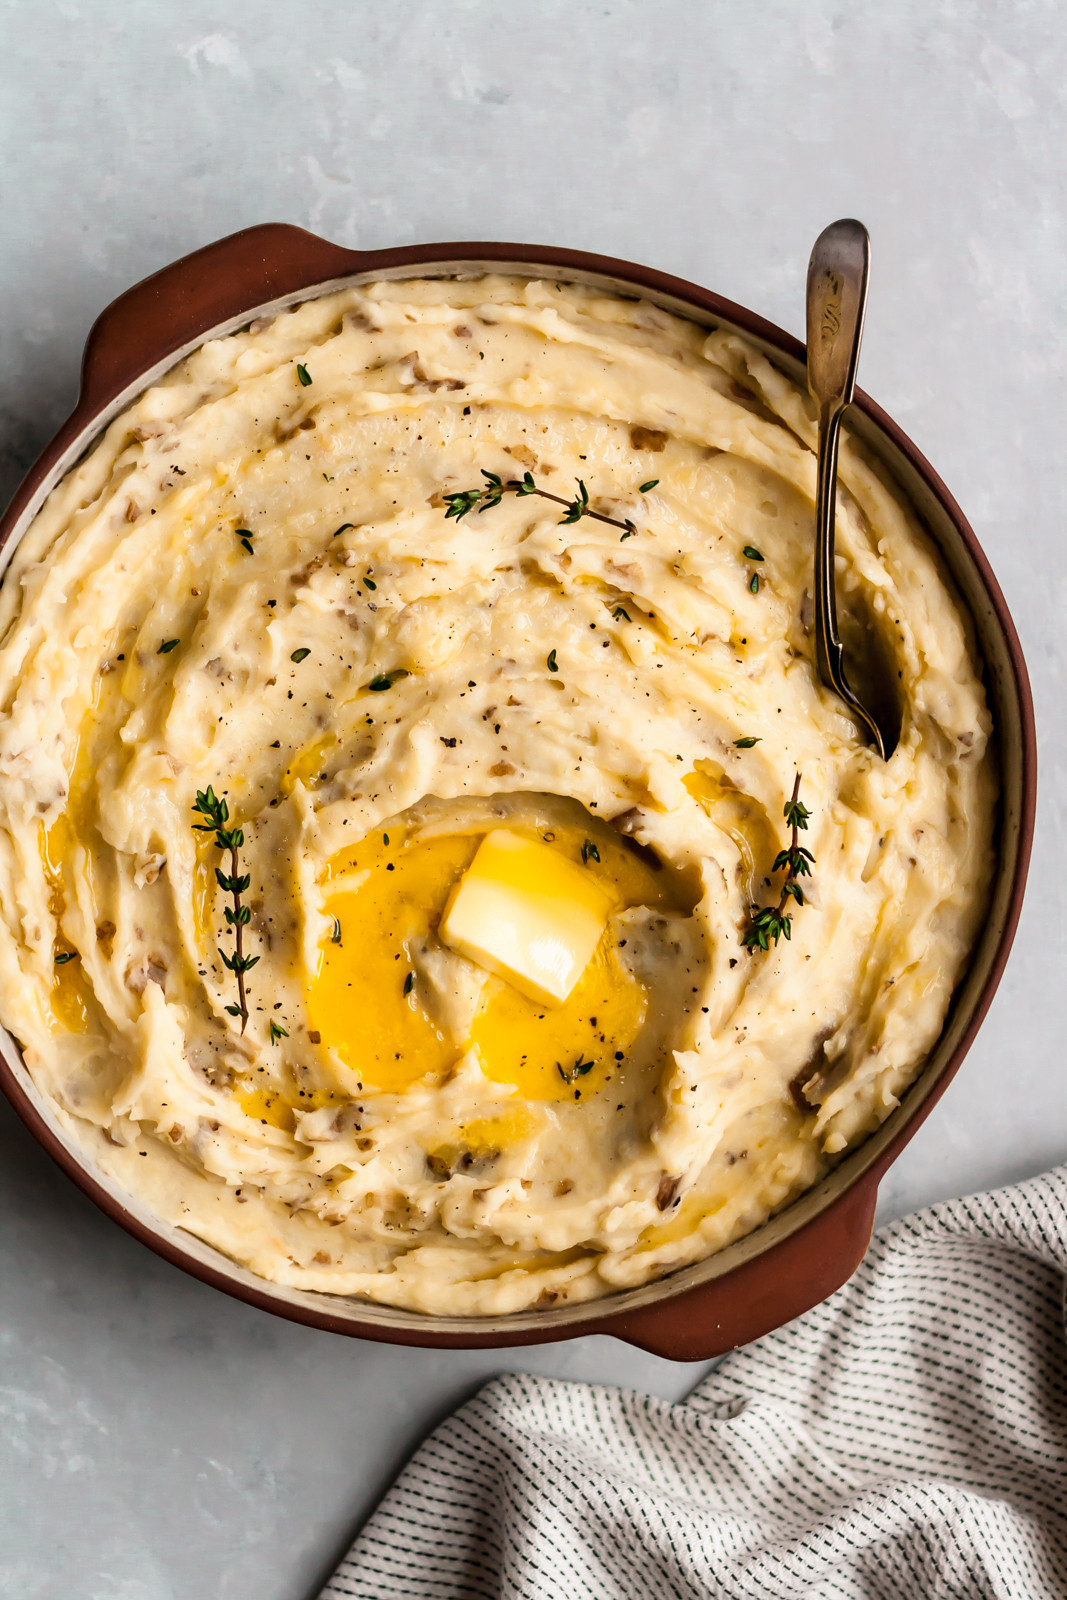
(837, 299)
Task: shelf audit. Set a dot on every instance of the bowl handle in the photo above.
(161, 315)
(763, 1293)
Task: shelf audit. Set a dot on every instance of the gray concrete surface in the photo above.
(160, 1442)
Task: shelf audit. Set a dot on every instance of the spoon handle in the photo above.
(837, 300)
(838, 273)
(829, 651)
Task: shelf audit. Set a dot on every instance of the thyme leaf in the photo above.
(579, 1070)
(385, 680)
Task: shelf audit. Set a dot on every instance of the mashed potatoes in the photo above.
(251, 584)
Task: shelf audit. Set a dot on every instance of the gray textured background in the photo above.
(160, 1442)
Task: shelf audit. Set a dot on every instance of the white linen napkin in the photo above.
(906, 1438)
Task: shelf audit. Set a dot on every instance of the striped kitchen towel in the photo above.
(906, 1438)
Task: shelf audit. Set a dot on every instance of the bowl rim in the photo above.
(831, 1220)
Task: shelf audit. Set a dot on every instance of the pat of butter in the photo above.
(525, 912)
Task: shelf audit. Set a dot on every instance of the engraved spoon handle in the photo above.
(836, 301)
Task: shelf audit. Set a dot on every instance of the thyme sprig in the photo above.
(774, 922)
(217, 812)
(467, 500)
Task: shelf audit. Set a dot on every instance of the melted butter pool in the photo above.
(384, 899)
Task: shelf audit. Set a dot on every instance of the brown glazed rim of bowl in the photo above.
(809, 1249)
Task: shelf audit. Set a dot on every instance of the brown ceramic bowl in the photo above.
(807, 1251)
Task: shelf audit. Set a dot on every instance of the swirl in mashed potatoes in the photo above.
(250, 583)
